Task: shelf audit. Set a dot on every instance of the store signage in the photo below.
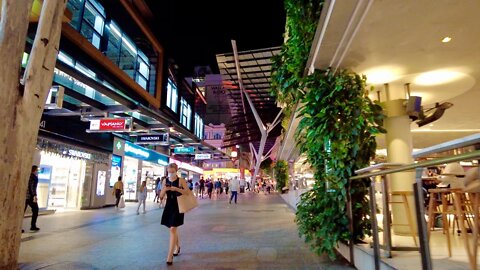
(108, 124)
(203, 156)
(186, 166)
(134, 150)
(184, 150)
(116, 169)
(153, 139)
(79, 154)
(139, 152)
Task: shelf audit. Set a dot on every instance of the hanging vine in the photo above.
(337, 133)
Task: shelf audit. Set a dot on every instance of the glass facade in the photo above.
(185, 113)
(172, 96)
(89, 19)
(198, 126)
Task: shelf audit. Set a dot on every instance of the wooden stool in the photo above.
(404, 202)
(432, 204)
(471, 247)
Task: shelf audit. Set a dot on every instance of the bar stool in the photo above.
(470, 246)
(404, 201)
(432, 205)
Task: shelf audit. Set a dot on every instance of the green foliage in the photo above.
(336, 116)
(288, 66)
(281, 174)
(266, 166)
(337, 134)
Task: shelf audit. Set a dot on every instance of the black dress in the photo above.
(171, 216)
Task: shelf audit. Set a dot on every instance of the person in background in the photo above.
(190, 184)
(142, 197)
(218, 186)
(234, 187)
(197, 189)
(31, 199)
(118, 190)
(209, 185)
(225, 185)
(157, 192)
(202, 187)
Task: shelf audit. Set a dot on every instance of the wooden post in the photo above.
(21, 110)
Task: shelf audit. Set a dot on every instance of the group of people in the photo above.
(217, 187)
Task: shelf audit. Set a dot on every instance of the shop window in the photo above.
(172, 96)
(217, 136)
(198, 126)
(185, 113)
(88, 19)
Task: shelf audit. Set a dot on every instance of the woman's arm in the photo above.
(163, 190)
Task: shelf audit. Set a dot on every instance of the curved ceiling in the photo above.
(400, 42)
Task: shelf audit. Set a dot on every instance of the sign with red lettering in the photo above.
(108, 124)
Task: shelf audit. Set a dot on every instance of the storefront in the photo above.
(188, 171)
(70, 176)
(225, 173)
(136, 164)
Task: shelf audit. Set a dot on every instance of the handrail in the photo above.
(439, 161)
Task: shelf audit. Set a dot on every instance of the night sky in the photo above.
(193, 32)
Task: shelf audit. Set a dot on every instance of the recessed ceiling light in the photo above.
(431, 125)
(446, 39)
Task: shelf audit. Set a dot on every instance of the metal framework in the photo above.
(258, 63)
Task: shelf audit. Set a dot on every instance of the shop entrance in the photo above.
(60, 180)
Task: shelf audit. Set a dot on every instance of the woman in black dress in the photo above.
(173, 186)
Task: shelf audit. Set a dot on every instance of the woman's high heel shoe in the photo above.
(178, 252)
(169, 263)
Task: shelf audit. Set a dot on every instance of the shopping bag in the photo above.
(186, 202)
(121, 204)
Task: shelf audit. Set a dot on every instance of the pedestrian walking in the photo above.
(197, 189)
(31, 199)
(202, 187)
(118, 190)
(225, 185)
(142, 197)
(173, 187)
(234, 187)
(157, 191)
(209, 185)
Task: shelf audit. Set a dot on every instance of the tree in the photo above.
(22, 101)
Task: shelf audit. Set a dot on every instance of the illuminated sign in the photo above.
(131, 148)
(186, 166)
(203, 156)
(139, 152)
(153, 139)
(184, 150)
(79, 154)
(108, 124)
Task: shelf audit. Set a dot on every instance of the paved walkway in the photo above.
(257, 233)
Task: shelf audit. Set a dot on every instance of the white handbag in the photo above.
(121, 204)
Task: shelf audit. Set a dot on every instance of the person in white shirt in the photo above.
(234, 185)
(142, 197)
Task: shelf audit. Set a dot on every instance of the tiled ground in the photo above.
(257, 233)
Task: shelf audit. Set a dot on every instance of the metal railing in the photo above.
(419, 204)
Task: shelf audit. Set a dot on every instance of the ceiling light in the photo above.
(446, 39)
(383, 74)
(437, 77)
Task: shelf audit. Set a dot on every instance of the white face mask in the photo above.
(171, 175)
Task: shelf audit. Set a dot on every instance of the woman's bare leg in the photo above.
(173, 241)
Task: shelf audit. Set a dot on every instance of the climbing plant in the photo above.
(281, 174)
(337, 130)
(289, 65)
(337, 133)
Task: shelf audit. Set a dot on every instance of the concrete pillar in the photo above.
(399, 150)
